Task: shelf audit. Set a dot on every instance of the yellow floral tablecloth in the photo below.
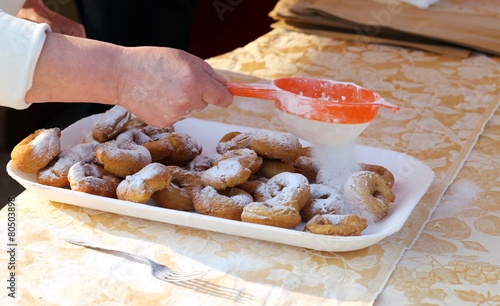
(443, 258)
(455, 259)
(446, 103)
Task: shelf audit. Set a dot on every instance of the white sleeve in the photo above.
(21, 42)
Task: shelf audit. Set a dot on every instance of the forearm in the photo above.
(72, 69)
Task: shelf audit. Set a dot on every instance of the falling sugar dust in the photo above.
(335, 163)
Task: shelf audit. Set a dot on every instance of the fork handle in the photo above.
(100, 248)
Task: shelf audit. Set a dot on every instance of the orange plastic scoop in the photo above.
(318, 110)
(318, 99)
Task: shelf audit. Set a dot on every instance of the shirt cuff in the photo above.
(22, 43)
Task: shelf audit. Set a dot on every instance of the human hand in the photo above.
(36, 11)
(162, 85)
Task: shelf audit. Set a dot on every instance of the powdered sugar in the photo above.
(202, 162)
(60, 166)
(147, 172)
(111, 123)
(224, 169)
(325, 198)
(133, 135)
(335, 163)
(282, 188)
(139, 182)
(282, 140)
(335, 219)
(46, 142)
(81, 170)
(293, 105)
(241, 199)
(227, 173)
(86, 151)
(112, 116)
(117, 150)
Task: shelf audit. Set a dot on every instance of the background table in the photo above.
(443, 258)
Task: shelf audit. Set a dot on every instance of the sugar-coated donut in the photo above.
(184, 149)
(227, 204)
(122, 158)
(227, 173)
(202, 162)
(154, 139)
(111, 123)
(247, 158)
(86, 152)
(278, 202)
(178, 194)
(380, 170)
(132, 134)
(158, 143)
(89, 138)
(323, 200)
(56, 172)
(135, 122)
(159, 149)
(140, 186)
(37, 150)
(306, 166)
(338, 225)
(276, 145)
(307, 151)
(234, 140)
(251, 185)
(272, 167)
(288, 189)
(368, 195)
(271, 214)
(93, 179)
(156, 133)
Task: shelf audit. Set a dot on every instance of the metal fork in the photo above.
(159, 271)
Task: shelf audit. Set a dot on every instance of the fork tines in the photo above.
(179, 276)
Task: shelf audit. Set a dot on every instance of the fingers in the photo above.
(72, 30)
(208, 69)
(213, 89)
(215, 93)
(69, 27)
(38, 12)
(212, 73)
(78, 30)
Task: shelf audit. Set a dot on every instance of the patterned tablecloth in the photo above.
(445, 254)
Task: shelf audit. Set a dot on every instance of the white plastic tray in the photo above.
(413, 178)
